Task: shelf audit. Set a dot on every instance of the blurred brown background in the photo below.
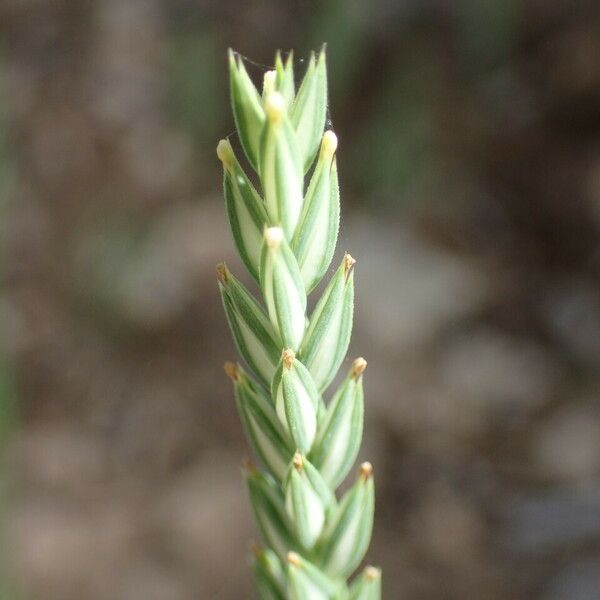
(470, 169)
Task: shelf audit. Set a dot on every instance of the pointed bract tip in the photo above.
(269, 79)
(329, 145)
(349, 263)
(225, 153)
(358, 367)
(273, 236)
(288, 356)
(223, 273)
(231, 370)
(274, 107)
(293, 558)
(297, 461)
(249, 466)
(372, 573)
(365, 470)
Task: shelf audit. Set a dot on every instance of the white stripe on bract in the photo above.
(321, 361)
(296, 308)
(275, 462)
(257, 351)
(338, 450)
(251, 236)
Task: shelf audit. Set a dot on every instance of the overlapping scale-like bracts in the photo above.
(286, 233)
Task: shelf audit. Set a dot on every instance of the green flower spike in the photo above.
(285, 229)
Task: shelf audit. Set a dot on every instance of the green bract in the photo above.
(348, 532)
(367, 586)
(284, 77)
(309, 109)
(285, 231)
(340, 430)
(306, 581)
(326, 340)
(268, 503)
